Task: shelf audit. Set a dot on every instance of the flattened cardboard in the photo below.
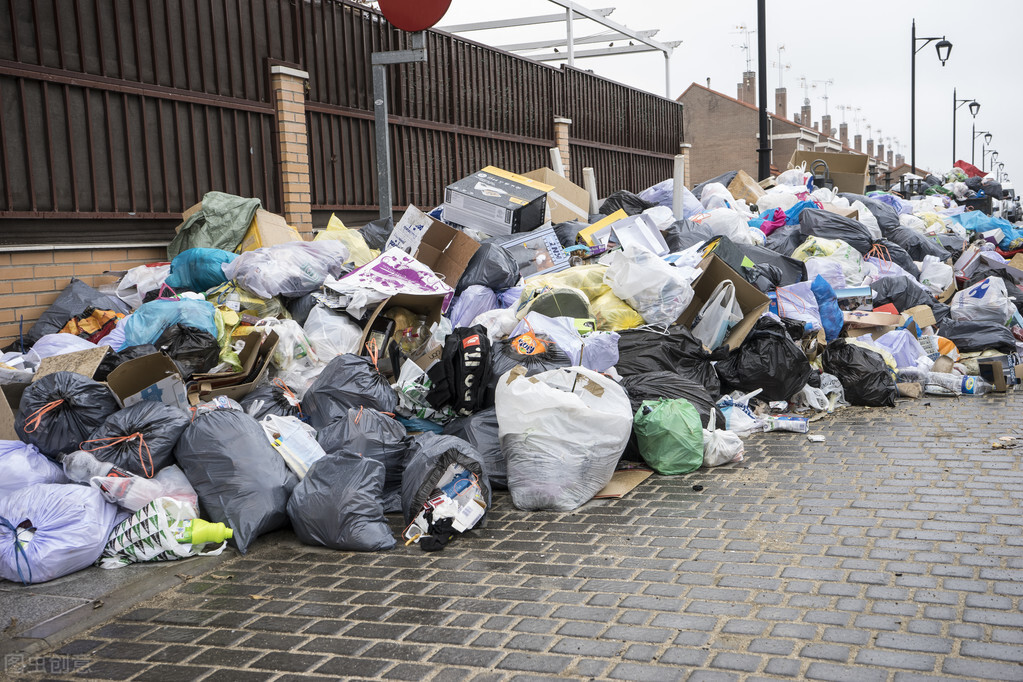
(744, 187)
(151, 377)
(204, 390)
(922, 315)
(84, 362)
(10, 400)
(267, 229)
(567, 201)
(751, 300)
(849, 172)
(598, 232)
(861, 318)
(623, 482)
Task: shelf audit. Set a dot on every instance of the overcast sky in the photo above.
(863, 46)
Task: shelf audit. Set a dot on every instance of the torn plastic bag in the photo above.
(670, 436)
(240, 479)
(371, 434)
(470, 304)
(866, 378)
(627, 201)
(60, 410)
(677, 350)
(545, 419)
(428, 459)
(377, 232)
(814, 222)
(656, 290)
(970, 336)
(985, 301)
(198, 269)
(139, 281)
(536, 353)
(49, 530)
(480, 430)
(347, 381)
(724, 179)
(113, 359)
(273, 398)
(221, 223)
(904, 293)
(715, 195)
(337, 505)
(76, 297)
(146, 324)
(23, 465)
(193, 350)
(290, 269)
(148, 536)
(719, 314)
(140, 438)
(767, 359)
(721, 446)
(331, 333)
(492, 266)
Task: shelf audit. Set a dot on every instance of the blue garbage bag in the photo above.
(147, 323)
(832, 319)
(23, 465)
(198, 269)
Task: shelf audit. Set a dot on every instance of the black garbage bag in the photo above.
(792, 269)
(60, 410)
(461, 376)
(728, 251)
(677, 350)
(140, 438)
(508, 353)
(377, 232)
(337, 505)
(765, 277)
(767, 359)
(916, 245)
(480, 431)
(973, 183)
(75, 299)
(670, 385)
(299, 308)
(724, 179)
(114, 359)
(682, 234)
(817, 222)
(953, 244)
(863, 373)
(889, 250)
(886, 215)
(240, 479)
(992, 188)
(347, 381)
(904, 293)
(785, 239)
(428, 459)
(626, 201)
(492, 266)
(192, 350)
(969, 336)
(371, 434)
(273, 398)
(568, 232)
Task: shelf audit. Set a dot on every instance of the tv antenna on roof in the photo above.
(746, 33)
(781, 67)
(830, 81)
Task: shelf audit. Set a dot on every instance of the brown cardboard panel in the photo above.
(751, 300)
(623, 482)
(860, 318)
(151, 377)
(10, 400)
(922, 315)
(446, 251)
(268, 229)
(843, 211)
(848, 171)
(567, 201)
(247, 357)
(84, 362)
(430, 306)
(744, 187)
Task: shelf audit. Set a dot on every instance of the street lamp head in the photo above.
(994, 156)
(974, 108)
(987, 138)
(944, 49)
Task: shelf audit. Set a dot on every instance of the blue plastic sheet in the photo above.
(977, 221)
(198, 269)
(147, 323)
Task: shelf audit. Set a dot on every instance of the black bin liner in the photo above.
(112, 360)
(863, 373)
(192, 350)
(970, 336)
(785, 239)
(766, 359)
(480, 430)
(827, 225)
(886, 215)
(347, 381)
(627, 201)
(273, 398)
(377, 232)
(140, 438)
(642, 352)
(664, 384)
(60, 410)
(904, 293)
(889, 250)
(492, 266)
(75, 299)
(916, 245)
(505, 356)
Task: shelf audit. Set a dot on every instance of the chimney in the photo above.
(708, 83)
(899, 160)
(804, 115)
(781, 109)
(795, 118)
(817, 126)
(891, 158)
(880, 152)
(748, 87)
(826, 124)
(843, 133)
(870, 147)
(858, 142)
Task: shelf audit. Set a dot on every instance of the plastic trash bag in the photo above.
(811, 397)
(470, 304)
(936, 275)
(337, 505)
(769, 360)
(49, 530)
(148, 536)
(677, 350)
(663, 194)
(23, 465)
(827, 225)
(905, 293)
(371, 434)
(193, 350)
(543, 421)
(868, 220)
(429, 457)
(739, 416)
(797, 302)
(613, 314)
(536, 353)
(828, 268)
(917, 245)
(721, 446)
(273, 398)
(115, 359)
(627, 201)
(198, 269)
(140, 438)
(60, 410)
(139, 281)
(890, 251)
(347, 381)
(359, 252)
(785, 240)
(76, 297)
(719, 314)
(903, 346)
(971, 335)
(377, 232)
(294, 441)
(715, 195)
(727, 222)
(240, 479)
(670, 436)
(985, 301)
(146, 324)
(492, 266)
(854, 268)
(331, 333)
(52, 345)
(866, 378)
(135, 492)
(656, 290)
(291, 269)
(480, 430)
(235, 298)
(663, 384)
(832, 318)
(296, 361)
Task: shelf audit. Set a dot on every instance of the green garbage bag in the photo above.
(670, 435)
(220, 224)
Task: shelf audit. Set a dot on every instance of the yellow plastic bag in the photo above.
(233, 297)
(360, 253)
(816, 247)
(587, 278)
(226, 321)
(613, 314)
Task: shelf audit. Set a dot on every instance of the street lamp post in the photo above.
(956, 103)
(973, 150)
(994, 155)
(944, 49)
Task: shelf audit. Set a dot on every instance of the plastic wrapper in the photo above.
(721, 446)
(238, 300)
(76, 297)
(294, 358)
(613, 314)
(272, 398)
(865, 376)
(60, 410)
(300, 307)
(985, 301)
(543, 421)
(492, 266)
(347, 381)
(23, 465)
(670, 436)
(198, 269)
(66, 528)
(290, 269)
(294, 440)
(429, 458)
(240, 479)
(626, 201)
(337, 505)
(331, 333)
(767, 359)
(659, 292)
(193, 350)
(677, 350)
(140, 438)
(970, 336)
(470, 304)
(480, 430)
(148, 536)
(146, 324)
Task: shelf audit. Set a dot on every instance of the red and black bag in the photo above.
(461, 376)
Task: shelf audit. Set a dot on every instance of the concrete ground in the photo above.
(892, 551)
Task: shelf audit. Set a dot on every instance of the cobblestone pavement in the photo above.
(890, 552)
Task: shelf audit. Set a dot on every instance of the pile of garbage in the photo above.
(508, 339)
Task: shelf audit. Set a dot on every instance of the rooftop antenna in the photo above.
(781, 67)
(830, 81)
(805, 84)
(746, 32)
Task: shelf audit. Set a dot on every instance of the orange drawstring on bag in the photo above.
(36, 418)
(288, 392)
(374, 353)
(116, 440)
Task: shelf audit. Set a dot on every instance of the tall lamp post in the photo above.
(956, 104)
(1000, 167)
(994, 155)
(987, 141)
(944, 49)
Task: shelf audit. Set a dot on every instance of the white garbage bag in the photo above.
(656, 290)
(985, 301)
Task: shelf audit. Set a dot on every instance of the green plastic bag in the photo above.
(670, 435)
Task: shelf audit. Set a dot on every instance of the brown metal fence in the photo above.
(126, 112)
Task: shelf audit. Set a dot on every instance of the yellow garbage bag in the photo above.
(613, 314)
(587, 278)
(360, 253)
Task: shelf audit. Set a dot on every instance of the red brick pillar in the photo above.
(561, 126)
(288, 85)
(686, 149)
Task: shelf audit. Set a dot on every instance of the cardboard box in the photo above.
(922, 315)
(567, 201)
(444, 249)
(600, 231)
(267, 229)
(1002, 371)
(843, 211)
(744, 187)
(751, 300)
(849, 172)
(496, 202)
(151, 377)
(428, 306)
(640, 230)
(255, 357)
(84, 362)
(10, 400)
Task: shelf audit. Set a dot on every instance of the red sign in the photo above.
(414, 15)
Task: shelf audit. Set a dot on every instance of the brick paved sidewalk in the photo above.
(892, 551)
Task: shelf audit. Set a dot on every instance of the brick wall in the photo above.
(288, 86)
(31, 279)
(723, 135)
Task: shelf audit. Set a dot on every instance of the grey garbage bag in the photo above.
(337, 504)
(240, 479)
(60, 410)
(140, 438)
(367, 432)
(887, 217)
(827, 225)
(347, 381)
(428, 459)
(480, 431)
(273, 398)
(76, 297)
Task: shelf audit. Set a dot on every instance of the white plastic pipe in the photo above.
(679, 180)
(556, 164)
(590, 185)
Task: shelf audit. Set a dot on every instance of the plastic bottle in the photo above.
(938, 383)
(198, 532)
(80, 466)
